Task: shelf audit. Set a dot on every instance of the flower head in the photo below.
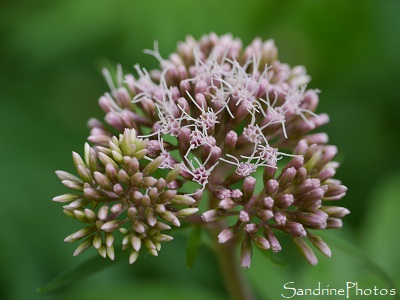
(214, 114)
(119, 193)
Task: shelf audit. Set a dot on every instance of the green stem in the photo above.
(235, 282)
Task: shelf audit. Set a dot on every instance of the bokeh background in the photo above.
(51, 55)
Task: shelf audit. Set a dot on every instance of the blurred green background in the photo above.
(51, 54)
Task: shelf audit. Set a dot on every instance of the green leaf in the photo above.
(192, 247)
(371, 265)
(82, 270)
(272, 257)
(380, 231)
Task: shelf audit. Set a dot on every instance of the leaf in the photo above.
(270, 255)
(354, 251)
(380, 231)
(192, 247)
(81, 271)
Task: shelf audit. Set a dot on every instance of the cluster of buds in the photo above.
(117, 192)
(290, 202)
(214, 114)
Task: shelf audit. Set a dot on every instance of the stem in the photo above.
(236, 284)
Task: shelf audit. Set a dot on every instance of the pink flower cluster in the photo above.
(237, 123)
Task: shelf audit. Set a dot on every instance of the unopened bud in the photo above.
(226, 234)
(305, 250)
(271, 187)
(84, 245)
(230, 140)
(244, 216)
(319, 243)
(262, 242)
(246, 252)
(249, 184)
(111, 226)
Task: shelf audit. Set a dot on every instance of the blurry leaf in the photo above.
(381, 237)
(193, 245)
(359, 254)
(270, 255)
(83, 270)
(144, 289)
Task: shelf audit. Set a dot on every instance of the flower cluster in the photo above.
(290, 202)
(215, 114)
(117, 192)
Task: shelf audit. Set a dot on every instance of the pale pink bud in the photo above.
(268, 202)
(227, 204)
(319, 243)
(271, 187)
(284, 200)
(251, 228)
(246, 252)
(335, 190)
(249, 184)
(280, 218)
(275, 246)
(334, 223)
(213, 215)
(226, 234)
(230, 140)
(287, 177)
(236, 194)
(305, 250)
(262, 242)
(335, 211)
(294, 228)
(244, 216)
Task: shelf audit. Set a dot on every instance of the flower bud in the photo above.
(97, 241)
(227, 204)
(135, 241)
(268, 202)
(236, 194)
(271, 187)
(230, 141)
(187, 211)
(226, 234)
(246, 252)
(249, 184)
(103, 181)
(335, 190)
(244, 216)
(319, 243)
(170, 217)
(280, 218)
(262, 242)
(111, 226)
(305, 250)
(334, 223)
(133, 256)
(214, 215)
(294, 228)
(83, 246)
(284, 200)
(93, 194)
(287, 177)
(153, 166)
(182, 200)
(73, 185)
(67, 176)
(66, 198)
(251, 228)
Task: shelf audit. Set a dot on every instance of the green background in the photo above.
(51, 54)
